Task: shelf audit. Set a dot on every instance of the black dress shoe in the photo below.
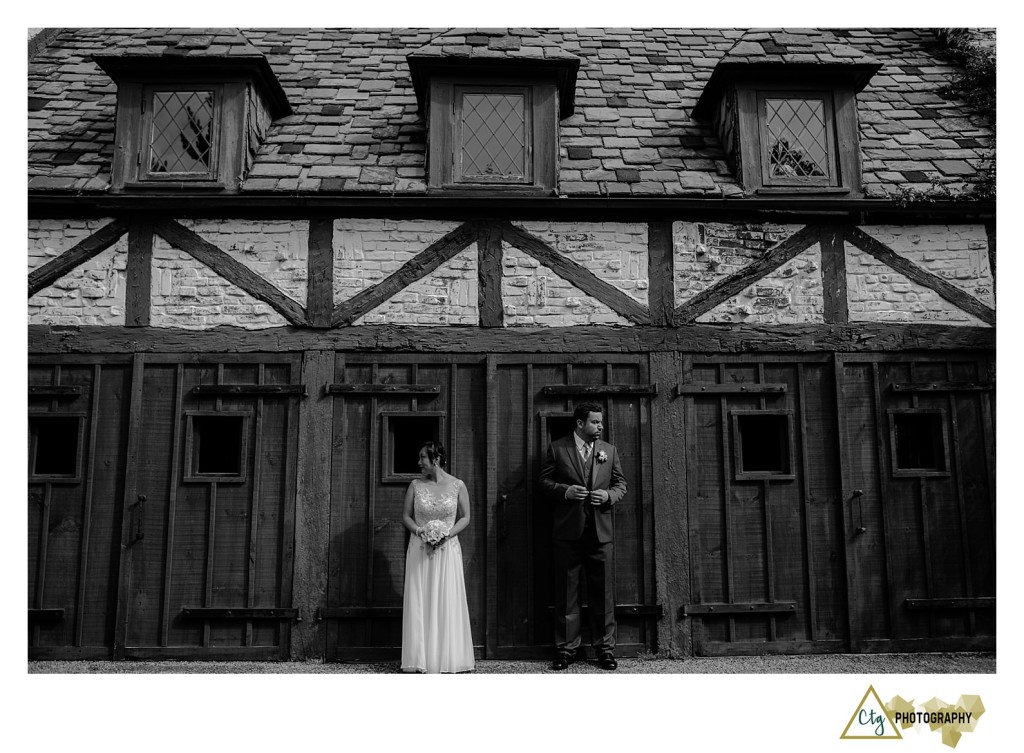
(607, 661)
(562, 661)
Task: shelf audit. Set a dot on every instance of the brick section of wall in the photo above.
(707, 253)
(792, 294)
(957, 254)
(93, 293)
(188, 294)
(534, 295)
(276, 250)
(367, 251)
(448, 295)
(616, 252)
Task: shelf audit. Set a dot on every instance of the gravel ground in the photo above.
(944, 663)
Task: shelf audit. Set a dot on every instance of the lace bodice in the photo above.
(429, 504)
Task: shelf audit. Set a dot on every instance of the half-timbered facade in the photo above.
(265, 265)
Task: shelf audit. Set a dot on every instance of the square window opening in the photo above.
(493, 136)
(216, 446)
(763, 445)
(54, 447)
(404, 435)
(919, 442)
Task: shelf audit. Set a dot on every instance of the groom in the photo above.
(582, 478)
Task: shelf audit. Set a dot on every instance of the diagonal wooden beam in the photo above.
(725, 289)
(418, 267)
(576, 274)
(230, 269)
(81, 252)
(959, 298)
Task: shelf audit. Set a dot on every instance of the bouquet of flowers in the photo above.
(434, 531)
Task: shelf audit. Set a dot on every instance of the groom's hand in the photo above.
(598, 497)
(576, 493)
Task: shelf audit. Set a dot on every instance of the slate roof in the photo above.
(356, 127)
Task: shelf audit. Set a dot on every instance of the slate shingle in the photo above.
(356, 125)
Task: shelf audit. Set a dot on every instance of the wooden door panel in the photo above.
(74, 526)
(765, 540)
(927, 516)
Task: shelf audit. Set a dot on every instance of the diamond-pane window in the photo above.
(182, 132)
(797, 138)
(494, 136)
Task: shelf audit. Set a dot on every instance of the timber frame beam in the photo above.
(696, 338)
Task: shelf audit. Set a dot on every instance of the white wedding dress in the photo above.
(435, 617)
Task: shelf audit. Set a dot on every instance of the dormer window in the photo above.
(498, 134)
(788, 124)
(492, 100)
(180, 139)
(190, 123)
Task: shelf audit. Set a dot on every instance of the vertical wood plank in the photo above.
(320, 274)
(371, 496)
(727, 499)
(211, 542)
(254, 509)
(83, 559)
(853, 624)
(287, 542)
(138, 274)
(491, 635)
(886, 488)
(833, 275)
(172, 500)
(645, 524)
(805, 492)
(130, 495)
(769, 547)
(532, 451)
(312, 505)
(961, 504)
(660, 273)
(489, 254)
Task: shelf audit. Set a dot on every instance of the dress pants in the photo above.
(571, 559)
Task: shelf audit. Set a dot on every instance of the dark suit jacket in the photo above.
(563, 467)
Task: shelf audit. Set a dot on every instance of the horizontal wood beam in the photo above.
(45, 615)
(238, 613)
(230, 269)
(35, 390)
(382, 389)
(627, 610)
(601, 389)
(951, 293)
(697, 338)
(576, 274)
(751, 607)
(348, 613)
(735, 283)
(78, 254)
(255, 390)
(944, 387)
(287, 205)
(976, 602)
(731, 389)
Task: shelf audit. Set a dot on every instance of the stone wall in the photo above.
(93, 293)
(188, 294)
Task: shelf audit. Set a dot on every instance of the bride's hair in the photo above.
(435, 451)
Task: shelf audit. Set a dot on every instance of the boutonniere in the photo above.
(602, 456)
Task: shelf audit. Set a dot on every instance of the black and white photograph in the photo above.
(548, 351)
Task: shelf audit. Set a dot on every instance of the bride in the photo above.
(435, 618)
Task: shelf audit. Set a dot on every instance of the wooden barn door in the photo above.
(207, 530)
(530, 401)
(77, 437)
(763, 493)
(385, 408)
(918, 448)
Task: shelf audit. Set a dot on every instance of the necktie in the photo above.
(586, 452)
